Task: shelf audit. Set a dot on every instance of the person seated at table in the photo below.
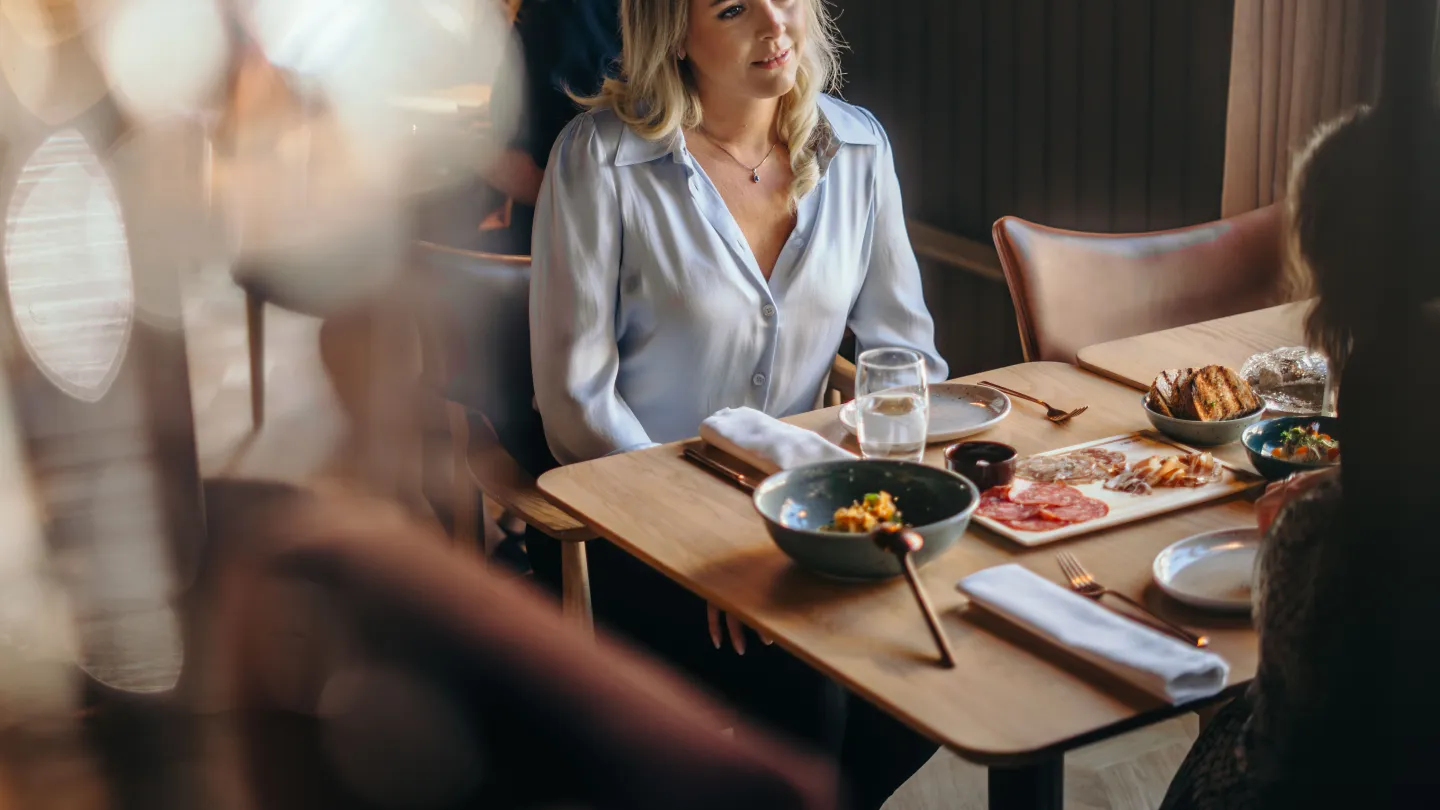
(1343, 708)
(703, 238)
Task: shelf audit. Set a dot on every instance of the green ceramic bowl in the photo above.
(796, 503)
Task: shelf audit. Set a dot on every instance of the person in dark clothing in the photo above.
(565, 47)
(1344, 583)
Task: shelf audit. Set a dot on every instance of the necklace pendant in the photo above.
(754, 176)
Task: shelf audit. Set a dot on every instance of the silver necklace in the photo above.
(754, 170)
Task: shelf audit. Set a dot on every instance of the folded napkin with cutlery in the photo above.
(1159, 664)
(766, 443)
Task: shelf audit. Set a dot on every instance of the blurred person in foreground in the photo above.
(377, 666)
(703, 238)
(1343, 711)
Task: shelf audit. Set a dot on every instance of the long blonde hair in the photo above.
(656, 92)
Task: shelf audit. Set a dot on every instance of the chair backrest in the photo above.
(482, 306)
(1074, 289)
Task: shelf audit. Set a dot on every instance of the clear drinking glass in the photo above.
(1329, 404)
(892, 404)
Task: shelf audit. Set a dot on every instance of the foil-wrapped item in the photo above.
(1290, 380)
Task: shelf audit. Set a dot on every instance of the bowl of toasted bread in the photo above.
(1205, 406)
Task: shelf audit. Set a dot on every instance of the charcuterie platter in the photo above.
(1107, 482)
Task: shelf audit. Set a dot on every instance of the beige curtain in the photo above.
(1293, 65)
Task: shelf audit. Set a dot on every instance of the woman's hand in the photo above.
(1282, 492)
(732, 625)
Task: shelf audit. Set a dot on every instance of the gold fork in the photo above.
(1052, 413)
(1082, 583)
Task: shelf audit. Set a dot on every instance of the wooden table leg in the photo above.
(1038, 786)
(255, 333)
(575, 583)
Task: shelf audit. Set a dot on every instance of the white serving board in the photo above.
(1124, 507)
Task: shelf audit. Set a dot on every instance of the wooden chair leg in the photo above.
(1207, 714)
(466, 494)
(575, 582)
(255, 327)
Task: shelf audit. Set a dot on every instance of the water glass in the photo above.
(1330, 401)
(892, 404)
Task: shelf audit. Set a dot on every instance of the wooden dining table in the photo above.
(1013, 703)
(1135, 361)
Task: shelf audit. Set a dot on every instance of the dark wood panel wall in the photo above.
(1099, 115)
(1103, 115)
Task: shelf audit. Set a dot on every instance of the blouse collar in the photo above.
(838, 126)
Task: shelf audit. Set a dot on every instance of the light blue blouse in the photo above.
(648, 312)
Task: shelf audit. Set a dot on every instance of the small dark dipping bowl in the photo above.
(1268, 432)
(795, 503)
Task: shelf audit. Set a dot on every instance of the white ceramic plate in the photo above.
(1214, 570)
(957, 410)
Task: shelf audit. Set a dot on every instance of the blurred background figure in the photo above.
(566, 47)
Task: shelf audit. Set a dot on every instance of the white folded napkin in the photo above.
(1159, 664)
(766, 443)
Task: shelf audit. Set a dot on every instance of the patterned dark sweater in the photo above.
(1245, 749)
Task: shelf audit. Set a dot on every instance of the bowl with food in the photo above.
(824, 516)
(1291, 444)
(1204, 407)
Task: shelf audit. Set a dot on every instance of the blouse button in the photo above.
(758, 379)
(768, 311)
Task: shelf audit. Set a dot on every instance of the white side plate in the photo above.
(1214, 570)
(957, 410)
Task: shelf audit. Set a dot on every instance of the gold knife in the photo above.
(735, 477)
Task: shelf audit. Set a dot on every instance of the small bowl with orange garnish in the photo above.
(1293, 444)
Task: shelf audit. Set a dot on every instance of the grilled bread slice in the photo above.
(1169, 394)
(1217, 392)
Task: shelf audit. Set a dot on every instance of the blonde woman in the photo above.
(703, 237)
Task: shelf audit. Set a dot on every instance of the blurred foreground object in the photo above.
(377, 668)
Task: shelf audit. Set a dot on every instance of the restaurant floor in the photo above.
(304, 437)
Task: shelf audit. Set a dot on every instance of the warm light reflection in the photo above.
(164, 56)
(67, 267)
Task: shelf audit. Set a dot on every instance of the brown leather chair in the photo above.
(1074, 289)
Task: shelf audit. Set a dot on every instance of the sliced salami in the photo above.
(1003, 510)
(1047, 495)
(1037, 524)
(1078, 512)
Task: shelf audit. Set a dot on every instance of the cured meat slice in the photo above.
(1047, 495)
(1045, 469)
(1003, 511)
(1076, 467)
(1110, 462)
(996, 505)
(1039, 507)
(1079, 512)
(1037, 524)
